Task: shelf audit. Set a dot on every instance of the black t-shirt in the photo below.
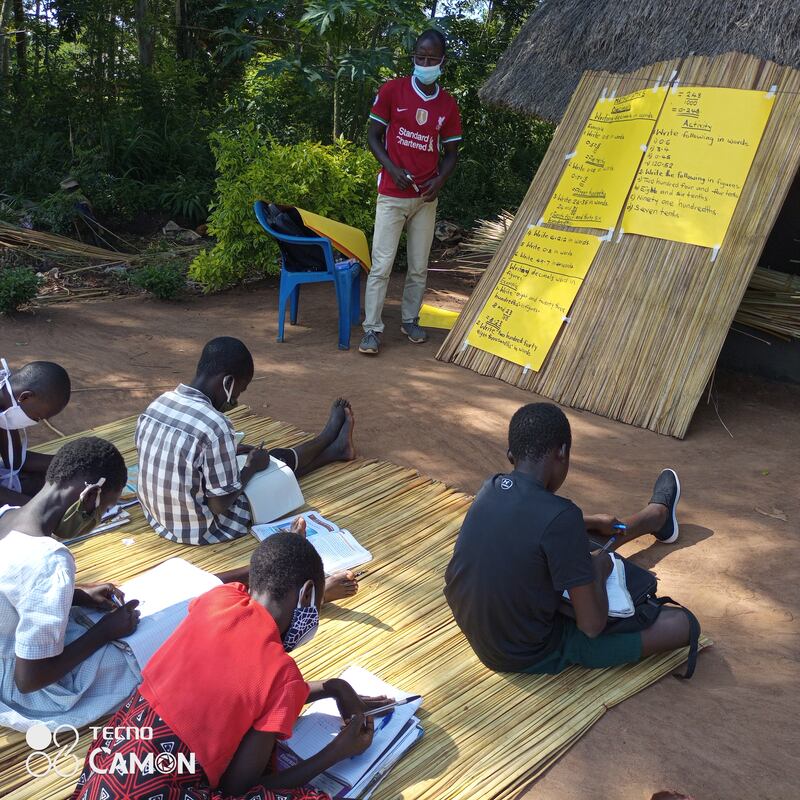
(520, 546)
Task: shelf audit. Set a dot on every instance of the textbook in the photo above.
(620, 602)
(164, 594)
(395, 734)
(336, 546)
(272, 493)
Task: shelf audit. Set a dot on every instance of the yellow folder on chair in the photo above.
(349, 240)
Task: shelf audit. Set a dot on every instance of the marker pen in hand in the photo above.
(413, 185)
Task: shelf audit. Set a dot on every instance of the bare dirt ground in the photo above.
(731, 732)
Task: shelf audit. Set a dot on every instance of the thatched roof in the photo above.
(563, 38)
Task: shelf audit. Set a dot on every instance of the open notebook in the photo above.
(272, 493)
(355, 777)
(620, 603)
(164, 594)
(336, 546)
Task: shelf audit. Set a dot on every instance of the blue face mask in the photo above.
(305, 621)
(427, 75)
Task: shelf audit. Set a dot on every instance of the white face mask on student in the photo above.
(14, 418)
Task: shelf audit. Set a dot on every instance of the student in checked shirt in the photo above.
(190, 485)
(411, 120)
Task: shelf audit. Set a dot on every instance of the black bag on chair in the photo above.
(296, 257)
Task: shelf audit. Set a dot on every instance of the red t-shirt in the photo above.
(416, 125)
(222, 672)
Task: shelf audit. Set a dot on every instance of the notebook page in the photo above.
(164, 594)
(339, 551)
(320, 724)
(620, 603)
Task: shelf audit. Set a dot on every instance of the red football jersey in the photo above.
(416, 125)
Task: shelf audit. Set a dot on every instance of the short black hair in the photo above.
(283, 562)
(536, 429)
(45, 379)
(89, 459)
(432, 33)
(226, 356)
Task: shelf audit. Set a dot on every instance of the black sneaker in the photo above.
(414, 332)
(667, 492)
(370, 343)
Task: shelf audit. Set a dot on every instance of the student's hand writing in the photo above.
(98, 595)
(257, 460)
(122, 621)
(350, 703)
(355, 737)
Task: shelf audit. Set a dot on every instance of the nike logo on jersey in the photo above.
(402, 109)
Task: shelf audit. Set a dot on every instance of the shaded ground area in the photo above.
(729, 732)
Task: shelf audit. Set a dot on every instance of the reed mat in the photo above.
(486, 734)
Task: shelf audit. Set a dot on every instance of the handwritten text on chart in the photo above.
(592, 189)
(526, 309)
(697, 163)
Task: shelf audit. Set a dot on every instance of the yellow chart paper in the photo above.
(592, 190)
(696, 165)
(526, 309)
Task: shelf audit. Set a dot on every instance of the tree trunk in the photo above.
(336, 108)
(145, 35)
(183, 36)
(5, 13)
(37, 49)
(434, 4)
(21, 39)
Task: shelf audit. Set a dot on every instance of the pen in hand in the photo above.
(617, 526)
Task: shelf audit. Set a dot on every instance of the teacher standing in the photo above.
(414, 131)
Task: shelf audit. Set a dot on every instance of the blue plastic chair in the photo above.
(344, 274)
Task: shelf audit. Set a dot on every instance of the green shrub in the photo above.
(18, 286)
(161, 279)
(337, 181)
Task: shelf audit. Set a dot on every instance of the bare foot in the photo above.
(343, 445)
(299, 526)
(335, 420)
(340, 585)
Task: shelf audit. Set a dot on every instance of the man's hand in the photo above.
(399, 176)
(431, 188)
(98, 595)
(604, 525)
(121, 622)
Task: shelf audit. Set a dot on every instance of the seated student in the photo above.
(37, 391)
(521, 546)
(244, 693)
(190, 486)
(53, 669)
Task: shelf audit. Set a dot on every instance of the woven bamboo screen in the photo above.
(652, 315)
